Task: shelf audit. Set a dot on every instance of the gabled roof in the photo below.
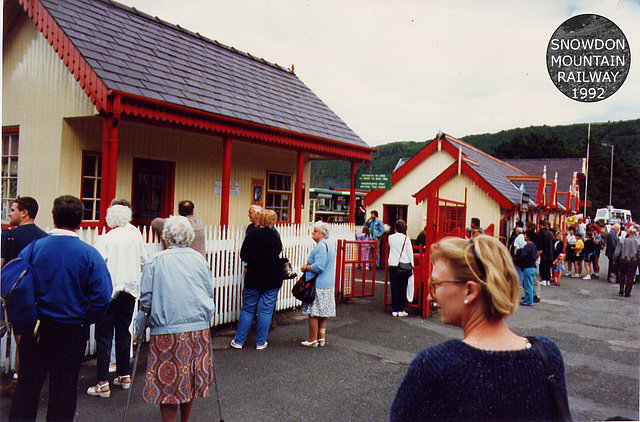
(113, 49)
(492, 173)
(565, 167)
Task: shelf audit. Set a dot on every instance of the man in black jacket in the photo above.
(545, 251)
(611, 241)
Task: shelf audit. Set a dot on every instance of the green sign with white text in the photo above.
(373, 181)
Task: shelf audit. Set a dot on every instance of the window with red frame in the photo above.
(10, 144)
(91, 181)
(279, 194)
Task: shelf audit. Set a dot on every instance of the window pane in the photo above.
(89, 168)
(5, 167)
(88, 210)
(14, 145)
(13, 167)
(13, 188)
(287, 183)
(97, 211)
(87, 188)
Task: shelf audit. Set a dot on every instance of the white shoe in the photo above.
(402, 314)
(235, 345)
(264, 346)
(101, 390)
(569, 274)
(395, 314)
(576, 276)
(586, 277)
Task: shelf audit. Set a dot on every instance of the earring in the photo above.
(465, 301)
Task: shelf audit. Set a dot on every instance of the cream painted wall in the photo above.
(37, 93)
(479, 203)
(401, 192)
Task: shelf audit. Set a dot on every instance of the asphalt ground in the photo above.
(355, 377)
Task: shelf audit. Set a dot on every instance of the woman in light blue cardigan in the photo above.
(176, 292)
(321, 261)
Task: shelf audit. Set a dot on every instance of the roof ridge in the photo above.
(185, 31)
(452, 139)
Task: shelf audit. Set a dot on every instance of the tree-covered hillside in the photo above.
(531, 142)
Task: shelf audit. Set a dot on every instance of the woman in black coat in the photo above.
(263, 280)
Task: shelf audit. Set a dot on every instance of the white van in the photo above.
(612, 215)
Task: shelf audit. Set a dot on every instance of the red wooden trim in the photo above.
(413, 162)
(88, 79)
(226, 180)
(10, 130)
(540, 195)
(135, 107)
(466, 169)
(90, 224)
(352, 193)
(298, 194)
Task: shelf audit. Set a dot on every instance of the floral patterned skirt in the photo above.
(179, 367)
(323, 307)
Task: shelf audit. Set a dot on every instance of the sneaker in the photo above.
(536, 299)
(395, 314)
(586, 277)
(402, 314)
(264, 346)
(575, 276)
(546, 282)
(596, 275)
(235, 345)
(101, 390)
(568, 274)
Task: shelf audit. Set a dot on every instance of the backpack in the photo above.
(18, 292)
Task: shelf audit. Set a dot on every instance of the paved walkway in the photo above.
(355, 377)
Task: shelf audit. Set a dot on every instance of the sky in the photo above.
(402, 71)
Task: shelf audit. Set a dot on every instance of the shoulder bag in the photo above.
(405, 269)
(558, 397)
(305, 290)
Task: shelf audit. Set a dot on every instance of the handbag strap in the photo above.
(402, 250)
(558, 398)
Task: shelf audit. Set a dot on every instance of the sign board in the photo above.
(373, 181)
(234, 188)
(524, 204)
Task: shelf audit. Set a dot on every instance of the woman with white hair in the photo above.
(123, 250)
(321, 262)
(176, 293)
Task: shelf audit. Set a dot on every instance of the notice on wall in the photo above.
(234, 188)
(373, 181)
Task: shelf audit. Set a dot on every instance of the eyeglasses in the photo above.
(433, 283)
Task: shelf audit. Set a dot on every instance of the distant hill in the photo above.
(532, 142)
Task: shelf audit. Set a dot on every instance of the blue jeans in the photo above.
(529, 276)
(258, 303)
(520, 275)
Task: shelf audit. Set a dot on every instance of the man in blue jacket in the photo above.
(73, 290)
(376, 228)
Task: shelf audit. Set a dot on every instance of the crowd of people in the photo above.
(79, 285)
(476, 284)
(541, 255)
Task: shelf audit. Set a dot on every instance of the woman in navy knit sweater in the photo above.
(492, 374)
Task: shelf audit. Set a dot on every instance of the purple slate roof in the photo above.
(493, 170)
(142, 55)
(564, 166)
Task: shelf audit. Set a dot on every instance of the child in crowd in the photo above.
(558, 268)
(578, 257)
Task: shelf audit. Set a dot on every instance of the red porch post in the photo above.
(109, 165)
(226, 180)
(298, 195)
(352, 193)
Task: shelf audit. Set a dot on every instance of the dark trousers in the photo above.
(118, 319)
(398, 289)
(626, 275)
(58, 352)
(545, 270)
(611, 268)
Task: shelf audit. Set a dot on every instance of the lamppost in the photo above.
(611, 176)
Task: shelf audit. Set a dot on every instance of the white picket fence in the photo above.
(223, 255)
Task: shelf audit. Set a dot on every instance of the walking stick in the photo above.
(213, 365)
(135, 367)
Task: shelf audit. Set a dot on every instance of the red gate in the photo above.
(355, 268)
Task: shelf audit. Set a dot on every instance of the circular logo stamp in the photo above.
(588, 58)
